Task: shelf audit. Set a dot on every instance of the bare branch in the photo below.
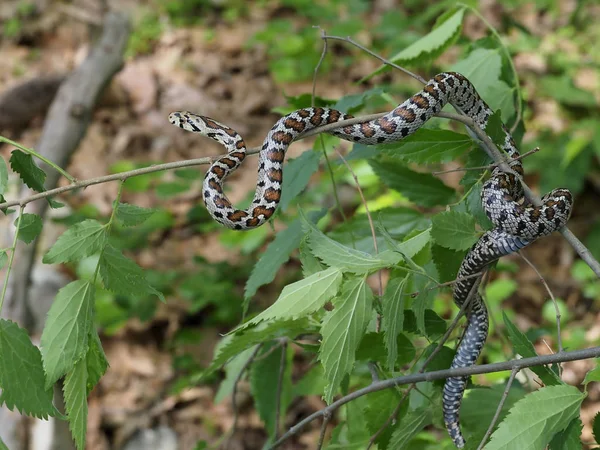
(326, 419)
(593, 352)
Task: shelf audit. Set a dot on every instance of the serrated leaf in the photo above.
(296, 175)
(21, 373)
(480, 405)
(535, 419)
(475, 208)
(378, 409)
(596, 427)
(76, 406)
(302, 297)
(131, 215)
(121, 275)
(66, 333)
(96, 362)
(373, 348)
(3, 176)
(80, 240)
(447, 262)
(30, 226)
(30, 173)
(428, 146)
(354, 102)
(495, 129)
(264, 378)
(342, 331)
(525, 348)
(233, 344)
(410, 425)
(393, 316)
(414, 244)
(310, 263)
(277, 253)
(334, 254)
(435, 326)
(569, 438)
(592, 375)
(454, 230)
(432, 44)
(422, 188)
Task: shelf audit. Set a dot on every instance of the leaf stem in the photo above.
(40, 157)
(12, 257)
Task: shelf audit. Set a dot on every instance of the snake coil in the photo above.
(517, 224)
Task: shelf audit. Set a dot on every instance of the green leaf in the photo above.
(296, 175)
(414, 244)
(3, 445)
(32, 175)
(435, 326)
(232, 372)
(495, 129)
(302, 297)
(380, 405)
(172, 188)
(454, 230)
(342, 331)
(409, 426)
(432, 44)
(354, 102)
(3, 176)
(66, 333)
(76, 402)
(393, 316)
(525, 348)
(30, 227)
(480, 405)
(569, 438)
(234, 344)
(3, 259)
(421, 188)
(428, 146)
(592, 375)
(596, 427)
(334, 254)
(264, 378)
(121, 275)
(21, 373)
(535, 419)
(373, 348)
(562, 89)
(131, 215)
(447, 262)
(310, 263)
(96, 362)
(277, 253)
(80, 240)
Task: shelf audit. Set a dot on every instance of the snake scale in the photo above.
(517, 224)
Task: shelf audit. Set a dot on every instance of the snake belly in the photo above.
(516, 224)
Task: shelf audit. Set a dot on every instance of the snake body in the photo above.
(516, 224)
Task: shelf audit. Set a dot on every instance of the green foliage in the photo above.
(81, 240)
(427, 146)
(23, 164)
(21, 374)
(535, 419)
(146, 33)
(342, 331)
(454, 230)
(30, 226)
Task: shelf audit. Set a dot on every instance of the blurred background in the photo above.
(244, 63)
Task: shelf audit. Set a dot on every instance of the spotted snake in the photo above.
(516, 224)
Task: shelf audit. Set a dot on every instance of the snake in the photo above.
(516, 222)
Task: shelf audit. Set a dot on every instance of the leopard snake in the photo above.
(517, 224)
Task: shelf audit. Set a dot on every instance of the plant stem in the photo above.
(12, 257)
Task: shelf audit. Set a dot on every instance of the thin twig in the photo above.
(554, 302)
(489, 166)
(593, 352)
(234, 394)
(447, 283)
(326, 420)
(375, 55)
(373, 369)
(509, 383)
(282, 365)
